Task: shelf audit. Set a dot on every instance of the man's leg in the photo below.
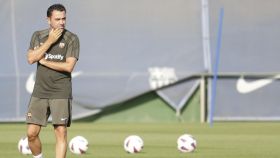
(33, 139)
(61, 140)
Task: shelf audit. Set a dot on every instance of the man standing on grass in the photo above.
(56, 51)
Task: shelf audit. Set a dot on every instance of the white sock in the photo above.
(38, 156)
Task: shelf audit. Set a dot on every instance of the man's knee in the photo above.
(60, 131)
(32, 136)
(33, 132)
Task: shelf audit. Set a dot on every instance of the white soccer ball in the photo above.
(78, 145)
(133, 144)
(23, 147)
(186, 143)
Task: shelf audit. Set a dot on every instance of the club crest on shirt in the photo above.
(61, 45)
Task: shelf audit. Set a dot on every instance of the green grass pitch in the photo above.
(223, 140)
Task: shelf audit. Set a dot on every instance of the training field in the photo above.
(223, 140)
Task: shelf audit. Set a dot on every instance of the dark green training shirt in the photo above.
(51, 83)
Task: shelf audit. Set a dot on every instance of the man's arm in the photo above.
(66, 66)
(37, 54)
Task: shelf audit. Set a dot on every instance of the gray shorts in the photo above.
(40, 109)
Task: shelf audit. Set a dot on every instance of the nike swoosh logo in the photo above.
(30, 82)
(244, 86)
(63, 119)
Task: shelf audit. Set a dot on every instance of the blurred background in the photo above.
(153, 60)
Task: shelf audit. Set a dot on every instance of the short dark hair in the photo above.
(53, 7)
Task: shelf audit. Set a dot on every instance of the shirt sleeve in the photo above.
(34, 41)
(73, 48)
